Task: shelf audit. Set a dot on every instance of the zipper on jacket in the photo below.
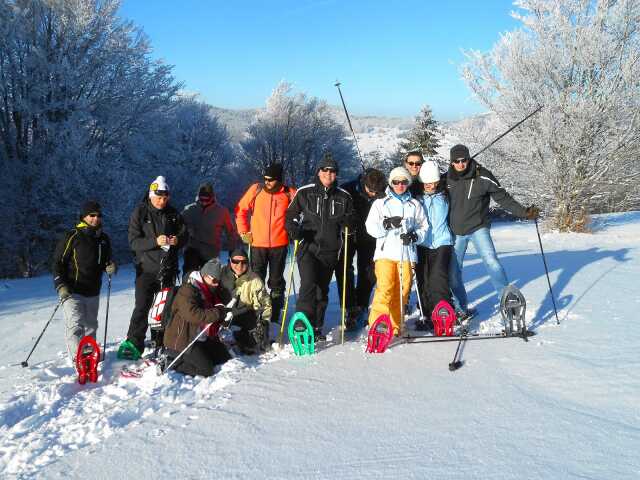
(99, 252)
(271, 213)
(470, 187)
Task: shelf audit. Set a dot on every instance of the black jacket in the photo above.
(361, 206)
(469, 198)
(80, 258)
(145, 225)
(325, 212)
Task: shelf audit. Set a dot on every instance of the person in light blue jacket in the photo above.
(434, 252)
(398, 223)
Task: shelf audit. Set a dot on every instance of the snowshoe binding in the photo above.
(128, 351)
(513, 307)
(87, 359)
(380, 335)
(301, 335)
(444, 318)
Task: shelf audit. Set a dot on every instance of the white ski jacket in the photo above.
(388, 243)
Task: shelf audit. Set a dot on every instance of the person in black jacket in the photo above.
(470, 187)
(156, 233)
(316, 217)
(364, 190)
(81, 256)
(413, 161)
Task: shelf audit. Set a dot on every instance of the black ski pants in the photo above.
(192, 261)
(273, 260)
(432, 272)
(202, 358)
(315, 277)
(360, 294)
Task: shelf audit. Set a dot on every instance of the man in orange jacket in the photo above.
(266, 203)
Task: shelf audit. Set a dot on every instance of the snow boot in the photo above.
(128, 351)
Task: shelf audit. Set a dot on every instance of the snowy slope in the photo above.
(563, 405)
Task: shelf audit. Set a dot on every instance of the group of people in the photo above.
(413, 223)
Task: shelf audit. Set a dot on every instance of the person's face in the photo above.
(370, 193)
(413, 164)
(93, 219)
(399, 185)
(460, 165)
(327, 176)
(211, 281)
(159, 201)
(269, 182)
(239, 264)
(430, 188)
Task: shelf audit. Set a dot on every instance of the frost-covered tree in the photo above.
(296, 130)
(581, 60)
(425, 134)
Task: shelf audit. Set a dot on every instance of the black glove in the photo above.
(391, 222)
(296, 234)
(533, 212)
(410, 237)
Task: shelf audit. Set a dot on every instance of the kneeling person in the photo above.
(253, 311)
(200, 301)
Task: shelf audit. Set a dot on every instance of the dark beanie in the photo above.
(274, 171)
(458, 151)
(238, 252)
(205, 190)
(328, 162)
(213, 268)
(90, 206)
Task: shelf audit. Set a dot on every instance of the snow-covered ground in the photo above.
(563, 405)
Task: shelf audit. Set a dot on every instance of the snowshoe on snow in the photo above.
(380, 335)
(128, 351)
(87, 359)
(444, 318)
(512, 308)
(301, 335)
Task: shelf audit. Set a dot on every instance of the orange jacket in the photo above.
(267, 211)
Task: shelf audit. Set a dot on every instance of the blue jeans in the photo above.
(483, 244)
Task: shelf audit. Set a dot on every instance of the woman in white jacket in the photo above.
(397, 222)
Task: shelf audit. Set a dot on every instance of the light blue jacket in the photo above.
(436, 208)
(388, 243)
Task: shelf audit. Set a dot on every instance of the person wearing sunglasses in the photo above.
(206, 221)
(200, 301)
(471, 187)
(260, 219)
(156, 233)
(80, 257)
(413, 161)
(317, 217)
(252, 313)
(398, 223)
(364, 190)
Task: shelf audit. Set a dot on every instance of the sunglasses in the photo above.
(94, 215)
(241, 262)
(267, 179)
(414, 164)
(460, 160)
(400, 182)
(328, 170)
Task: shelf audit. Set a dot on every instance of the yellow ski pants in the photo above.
(386, 298)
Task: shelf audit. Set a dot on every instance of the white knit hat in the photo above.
(429, 172)
(399, 173)
(158, 185)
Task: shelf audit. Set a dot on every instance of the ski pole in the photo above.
(344, 280)
(25, 363)
(555, 310)
(509, 130)
(456, 363)
(106, 319)
(415, 284)
(355, 139)
(286, 301)
(206, 328)
(401, 322)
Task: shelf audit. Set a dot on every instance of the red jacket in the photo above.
(267, 211)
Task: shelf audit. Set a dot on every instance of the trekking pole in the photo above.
(401, 323)
(286, 301)
(205, 329)
(509, 130)
(106, 319)
(555, 310)
(344, 280)
(456, 363)
(337, 84)
(415, 284)
(25, 363)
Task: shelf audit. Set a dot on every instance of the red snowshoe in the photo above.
(87, 359)
(444, 318)
(380, 335)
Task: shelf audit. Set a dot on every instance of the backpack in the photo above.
(160, 314)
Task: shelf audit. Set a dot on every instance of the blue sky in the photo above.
(391, 57)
